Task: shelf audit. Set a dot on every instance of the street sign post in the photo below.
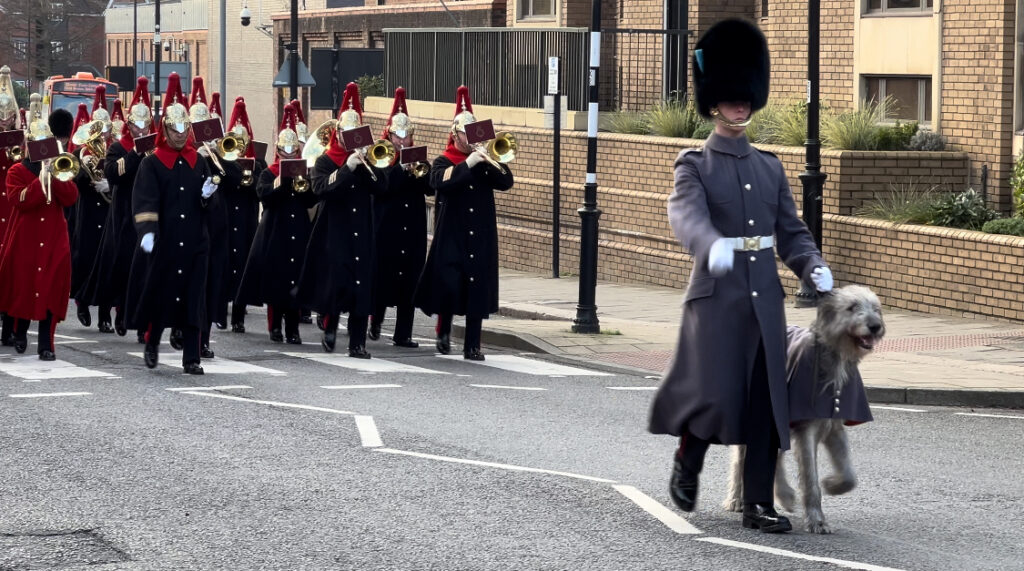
(555, 90)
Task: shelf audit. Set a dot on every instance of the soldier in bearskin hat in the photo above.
(731, 209)
(172, 190)
(461, 272)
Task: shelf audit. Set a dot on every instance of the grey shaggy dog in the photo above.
(820, 361)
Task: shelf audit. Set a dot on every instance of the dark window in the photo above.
(345, 3)
(912, 96)
(898, 5)
(764, 8)
(536, 9)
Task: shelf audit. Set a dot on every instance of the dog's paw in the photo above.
(786, 498)
(733, 505)
(818, 527)
(837, 485)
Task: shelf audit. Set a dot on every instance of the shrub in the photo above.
(854, 130)
(674, 118)
(925, 140)
(628, 122)
(22, 95)
(1009, 226)
(703, 131)
(896, 137)
(764, 124)
(1017, 184)
(791, 125)
(965, 210)
(909, 203)
(370, 86)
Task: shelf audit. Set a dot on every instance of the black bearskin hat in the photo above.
(60, 122)
(730, 63)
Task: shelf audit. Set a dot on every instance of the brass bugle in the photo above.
(300, 184)
(501, 149)
(379, 155)
(15, 154)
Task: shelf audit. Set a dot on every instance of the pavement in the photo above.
(923, 360)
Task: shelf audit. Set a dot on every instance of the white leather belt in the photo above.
(752, 243)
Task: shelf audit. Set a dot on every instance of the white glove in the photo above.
(353, 162)
(102, 186)
(721, 257)
(147, 242)
(822, 278)
(209, 187)
(475, 158)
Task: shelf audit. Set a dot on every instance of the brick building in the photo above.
(45, 38)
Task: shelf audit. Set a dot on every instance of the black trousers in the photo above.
(190, 340)
(289, 316)
(473, 327)
(761, 437)
(237, 313)
(104, 314)
(47, 329)
(7, 331)
(403, 323)
(356, 328)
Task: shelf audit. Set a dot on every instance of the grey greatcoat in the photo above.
(730, 189)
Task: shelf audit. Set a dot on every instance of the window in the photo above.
(898, 5)
(536, 9)
(764, 8)
(912, 96)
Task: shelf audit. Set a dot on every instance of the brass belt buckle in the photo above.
(751, 243)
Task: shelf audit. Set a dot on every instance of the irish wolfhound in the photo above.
(825, 393)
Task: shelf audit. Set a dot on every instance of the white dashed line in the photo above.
(217, 388)
(990, 415)
(493, 465)
(41, 395)
(633, 388)
(671, 519)
(795, 555)
(874, 407)
(267, 402)
(368, 432)
(339, 387)
(510, 388)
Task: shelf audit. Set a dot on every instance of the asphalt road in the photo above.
(434, 463)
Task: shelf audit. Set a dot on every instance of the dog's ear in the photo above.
(826, 307)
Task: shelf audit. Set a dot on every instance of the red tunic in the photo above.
(5, 206)
(35, 271)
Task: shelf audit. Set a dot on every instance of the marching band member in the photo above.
(461, 272)
(171, 192)
(401, 231)
(90, 213)
(35, 273)
(8, 122)
(108, 282)
(302, 130)
(275, 259)
(337, 275)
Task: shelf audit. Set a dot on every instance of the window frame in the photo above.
(922, 91)
(885, 10)
(524, 9)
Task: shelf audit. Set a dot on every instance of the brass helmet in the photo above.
(38, 127)
(463, 110)
(351, 115)
(99, 108)
(8, 102)
(138, 109)
(287, 138)
(301, 129)
(197, 107)
(176, 117)
(199, 112)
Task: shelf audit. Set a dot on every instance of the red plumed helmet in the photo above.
(174, 93)
(351, 112)
(198, 93)
(99, 101)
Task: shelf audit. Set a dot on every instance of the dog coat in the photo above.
(810, 399)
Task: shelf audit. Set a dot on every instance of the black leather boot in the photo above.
(152, 355)
(765, 518)
(473, 355)
(205, 352)
(47, 355)
(328, 341)
(293, 339)
(119, 327)
(444, 343)
(177, 339)
(20, 345)
(276, 336)
(193, 369)
(407, 343)
(374, 332)
(359, 352)
(683, 486)
(84, 317)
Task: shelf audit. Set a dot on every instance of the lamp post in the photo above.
(586, 308)
(293, 52)
(812, 180)
(157, 45)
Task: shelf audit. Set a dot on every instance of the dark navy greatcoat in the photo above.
(400, 215)
(461, 273)
(167, 287)
(730, 189)
(90, 213)
(218, 292)
(243, 207)
(337, 273)
(275, 260)
(811, 398)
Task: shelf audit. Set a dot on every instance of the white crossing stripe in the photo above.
(31, 368)
(795, 555)
(492, 465)
(339, 387)
(506, 387)
(266, 402)
(221, 366)
(899, 408)
(518, 364)
(368, 432)
(40, 395)
(217, 388)
(666, 516)
(989, 415)
(365, 365)
(633, 388)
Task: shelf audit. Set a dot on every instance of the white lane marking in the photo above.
(367, 365)
(39, 395)
(368, 432)
(510, 388)
(463, 375)
(557, 376)
(339, 387)
(989, 415)
(266, 402)
(652, 377)
(222, 366)
(518, 364)
(59, 336)
(493, 465)
(875, 406)
(633, 388)
(795, 555)
(217, 388)
(30, 367)
(97, 352)
(671, 519)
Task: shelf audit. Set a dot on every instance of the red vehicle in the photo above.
(67, 92)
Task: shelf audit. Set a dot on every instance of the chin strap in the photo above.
(722, 119)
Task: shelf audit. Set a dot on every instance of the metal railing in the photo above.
(503, 66)
(640, 68)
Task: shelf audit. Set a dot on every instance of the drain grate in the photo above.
(55, 549)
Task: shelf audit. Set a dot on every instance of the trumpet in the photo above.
(378, 155)
(232, 146)
(501, 149)
(91, 137)
(300, 184)
(64, 167)
(418, 169)
(247, 178)
(15, 154)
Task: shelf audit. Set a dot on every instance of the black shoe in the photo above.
(221, 326)
(152, 355)
(142, 337)
(473, 355)
(328, 341)
(407, 343)
(177, 339)
(7, 341)
(193, 369)
(307, 319)
(683, 487)
(119, 327)
(765, 518)
(444, 343)
(293, 339)
(205, 352)
(238, 328)
(45, 355)
(20, 345)
(359, 352)
(105, 327)
(83, 315)
(374, 332)
(276, 336)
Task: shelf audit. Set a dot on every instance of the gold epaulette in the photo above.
(277, 182)
(146, 217)
(333, 178)
(448, 174)
(121, 169)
